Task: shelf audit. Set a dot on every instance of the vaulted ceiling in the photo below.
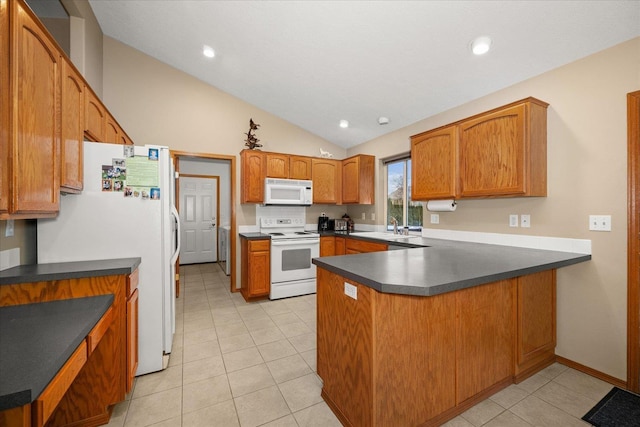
(314, 63)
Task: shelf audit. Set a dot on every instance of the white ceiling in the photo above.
(313, 63)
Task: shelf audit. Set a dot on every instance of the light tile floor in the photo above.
(240, 364)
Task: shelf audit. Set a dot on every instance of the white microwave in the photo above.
(287, 192)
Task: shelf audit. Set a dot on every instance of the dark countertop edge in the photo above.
(68, 270)
(450, 286)
(256, 235)
(24, 397)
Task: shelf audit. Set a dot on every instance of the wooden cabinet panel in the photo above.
(132, 338)
(503, 152)
(342, 346)
(355, 246)
(327, 245)
(341, 244)
(358, 179)
(484, 337)
(4, 109)
(300, 167)
(98, 331)
(112, 130)
(254, 167)
(44, 405)
(277, 165)
(255, 268)
(95, 118)
(434, 161)
(424, 330)
(326, 176)
(35, 136)
(492, 154)
(536, 323)
(72, 130)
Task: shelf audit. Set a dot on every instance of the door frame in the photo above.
(217, 178)
(177, 155)
(633, 241)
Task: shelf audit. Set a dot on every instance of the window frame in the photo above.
(406, 199)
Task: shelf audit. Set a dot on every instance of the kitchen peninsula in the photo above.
(419, 335)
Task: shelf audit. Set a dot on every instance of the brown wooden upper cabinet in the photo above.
(4, 108)
(95, 118)
(277, 165)
(327, 180)
(72, 127)
(300, 167)
(358, 178)
(287, 166)
(434, 160)
(499, 153)
(30, 186)
(254, 169)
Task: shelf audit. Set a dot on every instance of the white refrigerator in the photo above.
(126, 209)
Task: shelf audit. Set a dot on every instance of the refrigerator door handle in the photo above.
(176, 215)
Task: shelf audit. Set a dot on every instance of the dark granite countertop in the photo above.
(37, 339)
(434, 266)
(255, 236)
(68, 270)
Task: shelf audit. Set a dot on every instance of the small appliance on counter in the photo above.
(323, 223)
(341, 224)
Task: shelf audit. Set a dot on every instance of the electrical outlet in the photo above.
(350, 290)
(435, 219)
(373, 216)
(513, 220)
(600, 222)
(525, 221)
(364, 215)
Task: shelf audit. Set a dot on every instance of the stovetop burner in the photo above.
(285, 228)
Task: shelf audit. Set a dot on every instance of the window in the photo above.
(399, 204)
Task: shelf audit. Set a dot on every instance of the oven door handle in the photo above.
(292, 242)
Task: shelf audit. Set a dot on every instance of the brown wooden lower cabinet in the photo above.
(388, 359)
(337, 245)
(327, 245)
(255, 268)
(104, 379)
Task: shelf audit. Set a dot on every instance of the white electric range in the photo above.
(292, 249)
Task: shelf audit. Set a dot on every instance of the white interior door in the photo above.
(198, 210)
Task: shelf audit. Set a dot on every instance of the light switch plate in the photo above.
(435, 219)
(513, 220)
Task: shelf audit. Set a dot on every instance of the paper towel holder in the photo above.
(449, 205)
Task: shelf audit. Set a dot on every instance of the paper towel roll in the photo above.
(441, 205)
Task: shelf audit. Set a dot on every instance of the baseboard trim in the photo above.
(594, 373)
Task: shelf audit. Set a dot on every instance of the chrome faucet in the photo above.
(395, 225)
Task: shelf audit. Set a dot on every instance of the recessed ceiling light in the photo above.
(208, 51)
(344, 124)
(481, 45)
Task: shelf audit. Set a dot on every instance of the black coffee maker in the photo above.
(323, 223)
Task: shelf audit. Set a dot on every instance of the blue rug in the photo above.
(619, 408)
